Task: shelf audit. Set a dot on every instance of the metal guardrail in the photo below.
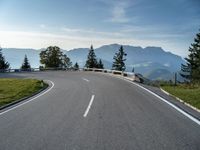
(130, 75)
(19, 70)
(31, 70)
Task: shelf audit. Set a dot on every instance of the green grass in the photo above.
(15, 89)
(188, 93)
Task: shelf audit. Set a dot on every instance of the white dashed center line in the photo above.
(86, 80)
(89, 106)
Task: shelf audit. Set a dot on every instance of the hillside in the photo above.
(160, 74)
(144, 60)
(15, 57)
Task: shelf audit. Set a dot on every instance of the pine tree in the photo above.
(91, 59)
(76, 66)
(3, 63)
(119, 60)
(196, 72)
(191, 70)
(26, 65)
(100, 64)
(133, 69)
(66, 62)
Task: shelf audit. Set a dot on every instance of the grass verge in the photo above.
(189, 94)
(15, 89)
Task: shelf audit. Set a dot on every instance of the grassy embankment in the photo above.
(188, 93)
(15, 89)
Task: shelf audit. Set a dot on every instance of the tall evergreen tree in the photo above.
(26, 65)
(66, 62)
(3, 63)
(100, 64)
(133, 69)
(191, 70)
(119, 60)
(76, 66)
(91, 59)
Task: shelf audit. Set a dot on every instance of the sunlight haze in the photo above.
(170, 24)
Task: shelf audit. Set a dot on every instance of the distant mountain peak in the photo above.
(116, 46)
(154, 48)
(144, 60)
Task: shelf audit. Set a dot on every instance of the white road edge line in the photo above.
(86, 79)
(169, 103)
(1, 113)
(164, 100)
(88, 108)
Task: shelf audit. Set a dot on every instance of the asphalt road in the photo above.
(90, 111)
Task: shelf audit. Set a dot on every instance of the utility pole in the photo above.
(133, 69)
(175, 79)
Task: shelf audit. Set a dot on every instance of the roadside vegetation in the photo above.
(186, 92)
(190, 71)
(15, 89)
(53, 57)
(92, 61)
(189, 91)
(26, 65)
(119, 60)
(3, 63)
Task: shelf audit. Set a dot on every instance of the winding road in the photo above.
(91, 111)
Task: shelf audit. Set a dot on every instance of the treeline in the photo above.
(54, 58)
(4, 65)
(118, 63)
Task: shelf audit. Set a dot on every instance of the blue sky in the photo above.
(170, 24)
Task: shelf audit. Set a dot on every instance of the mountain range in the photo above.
(152, 62)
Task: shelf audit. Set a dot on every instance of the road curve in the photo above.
(90, 111)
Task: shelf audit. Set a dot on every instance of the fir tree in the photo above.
(91, 59)
(66, 62)
(100, 64)
(76, 66)
(26, 65)
(133, 69)
(3, 63)
(119, 60)
(191, 70)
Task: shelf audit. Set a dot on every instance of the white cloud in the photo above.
(37, 40)
(118, 12)
(90, 33)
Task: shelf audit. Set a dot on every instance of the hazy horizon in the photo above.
(26, 48)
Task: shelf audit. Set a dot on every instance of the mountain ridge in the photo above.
(144, 60)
